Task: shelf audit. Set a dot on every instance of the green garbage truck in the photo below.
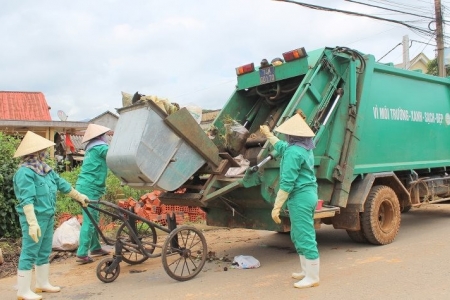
(382, 144)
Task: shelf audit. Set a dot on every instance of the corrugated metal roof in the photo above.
(26, 106)
(210, 116)
(76, 141)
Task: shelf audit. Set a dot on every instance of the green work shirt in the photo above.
(296, 167)
(92, 178)
(39, 190)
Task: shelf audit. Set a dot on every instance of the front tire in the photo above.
(381, 217)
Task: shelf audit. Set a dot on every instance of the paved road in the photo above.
(415, 266)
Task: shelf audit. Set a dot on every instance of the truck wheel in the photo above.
(405, 209)
(381, 217)
(357, 236)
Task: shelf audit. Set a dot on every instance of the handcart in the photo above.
(183, 251)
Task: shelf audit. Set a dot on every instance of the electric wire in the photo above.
(317, 7)
(402, 12)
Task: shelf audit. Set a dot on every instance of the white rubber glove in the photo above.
(279, 201)
(34, 230)
(83, 199)
(269, 135)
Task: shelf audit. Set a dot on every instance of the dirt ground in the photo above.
(11, 253)
(349, 270)
(10, 250)
(218, 239)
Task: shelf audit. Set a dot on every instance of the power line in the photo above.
(389, 52)
(409, 7)
(317, 7)
(390, 9)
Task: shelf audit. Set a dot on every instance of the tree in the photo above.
(432, 68)
(9, 220)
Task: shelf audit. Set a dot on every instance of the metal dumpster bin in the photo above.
(145, 152)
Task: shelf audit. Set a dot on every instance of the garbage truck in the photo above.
(382, 140)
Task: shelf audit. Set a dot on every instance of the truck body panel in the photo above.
(381, 143)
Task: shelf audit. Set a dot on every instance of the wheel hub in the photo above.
(185, 253)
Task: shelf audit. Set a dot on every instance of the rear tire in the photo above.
(381, 217)
(405, 209)
(357, 236)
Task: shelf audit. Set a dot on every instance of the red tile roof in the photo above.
(26, 106)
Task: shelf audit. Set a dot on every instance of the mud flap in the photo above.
(348, 218)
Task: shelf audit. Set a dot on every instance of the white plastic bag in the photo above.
(66, 236)
(195, 111)
(246, 262)
(238, 171)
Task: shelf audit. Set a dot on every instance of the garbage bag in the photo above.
(126, 99)
(238, 171)
(235, 137)
(195, 111)
(66, 236)
(246, 262)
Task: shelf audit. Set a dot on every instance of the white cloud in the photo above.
(82, 54)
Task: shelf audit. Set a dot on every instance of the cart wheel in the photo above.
(104, 273)
(131, 253)
(184, 253)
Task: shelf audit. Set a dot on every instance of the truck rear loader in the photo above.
(382, 139)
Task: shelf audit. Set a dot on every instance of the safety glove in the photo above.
(83, 199)
(279, 201)
(34, 230)
(269, 135)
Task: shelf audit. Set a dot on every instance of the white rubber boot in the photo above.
(311, 279)
(301, 274)
(23, 284)
(42, 283)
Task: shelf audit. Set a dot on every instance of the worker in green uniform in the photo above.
(299, 187)
(35, 187)
(92, 182)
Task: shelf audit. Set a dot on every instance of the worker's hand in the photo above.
(279, 201)
(265, 130)
(34, 230)
(83, 199)
(269, 135)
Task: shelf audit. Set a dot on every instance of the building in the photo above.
(107, 119)
(418, 63)
(28, 111)
(208, 118)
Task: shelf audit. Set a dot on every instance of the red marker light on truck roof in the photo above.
(294, 54)
(245, 69)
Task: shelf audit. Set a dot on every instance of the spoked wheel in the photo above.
(131, 253)
(104, 271)
(184, 253)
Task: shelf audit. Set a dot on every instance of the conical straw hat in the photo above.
(295, 126)
(32, 143)
(93, 131)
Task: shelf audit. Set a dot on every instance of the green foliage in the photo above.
(9, 220)
(65, 204)
(432, 68)
(114, 190)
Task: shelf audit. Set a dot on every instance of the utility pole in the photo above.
(439, 39)
(406, 61)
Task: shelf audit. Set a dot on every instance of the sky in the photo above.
(83, 54)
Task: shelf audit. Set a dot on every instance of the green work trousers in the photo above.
(88, 234)
(301, 205)
(36, 253)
